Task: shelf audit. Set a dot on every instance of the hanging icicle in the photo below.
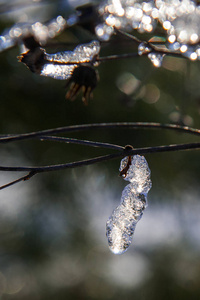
(121, 224)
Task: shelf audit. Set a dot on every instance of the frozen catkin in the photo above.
(121, 224)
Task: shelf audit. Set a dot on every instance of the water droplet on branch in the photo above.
(156, 59)
(143, 48)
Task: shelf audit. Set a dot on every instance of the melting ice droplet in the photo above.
(143, 48)
(156, 59)
(121, 224)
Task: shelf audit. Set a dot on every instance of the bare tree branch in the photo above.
(24, 178)
(83, 127)
(122, 151)
(125, 152)
(81, 142)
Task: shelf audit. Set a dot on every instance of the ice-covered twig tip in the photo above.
(121, 224)
(75, 66)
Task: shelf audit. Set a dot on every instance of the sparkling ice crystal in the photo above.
(121, 224)
(156, 59)
(84, 53)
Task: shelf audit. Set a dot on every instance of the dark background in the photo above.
(52, 228)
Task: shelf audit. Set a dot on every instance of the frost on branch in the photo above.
(60, 65)
(121, 224)
(126, 15)
(14, 35)
(179, 19)
(75, 66)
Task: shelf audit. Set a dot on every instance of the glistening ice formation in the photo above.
(179, 18)
(62, 64)
(121, 224)
(84, 53)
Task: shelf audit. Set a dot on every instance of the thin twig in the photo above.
(24, 178)
(83, 127)
(165, 148)
(152, 47)
(119, 56)
(81, 142)
(128, 35)
(126, 152)
(131, 55)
